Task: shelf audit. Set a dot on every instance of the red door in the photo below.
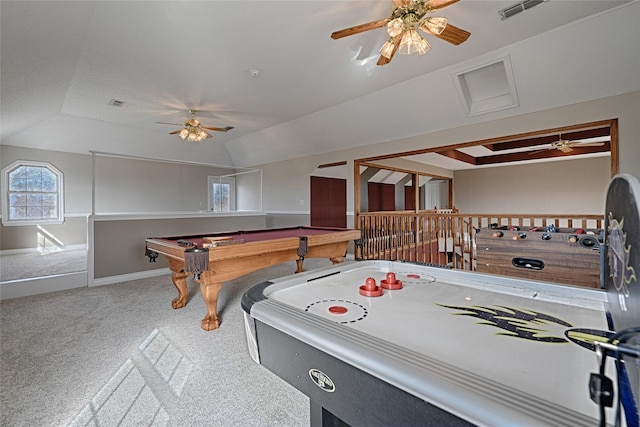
(328, 202)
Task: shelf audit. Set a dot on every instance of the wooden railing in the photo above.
(446, 238)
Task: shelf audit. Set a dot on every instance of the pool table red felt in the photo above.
(241, 252)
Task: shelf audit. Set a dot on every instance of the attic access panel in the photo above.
(486, 88)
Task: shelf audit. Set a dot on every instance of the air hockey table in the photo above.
(384, 343)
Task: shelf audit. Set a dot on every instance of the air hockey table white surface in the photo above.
(522, 335)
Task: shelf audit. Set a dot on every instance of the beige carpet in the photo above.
(120, 355)
(36, 264)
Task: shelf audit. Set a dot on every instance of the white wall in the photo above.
(134, 185)
(560, 187)
(249, 191)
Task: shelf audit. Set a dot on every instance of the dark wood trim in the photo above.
(459, 155)
(330, 165)
(548, 139)
(545, 154)
(615, 154)
(525, 139)
(551, 133)
(395, 169)
(356, 193)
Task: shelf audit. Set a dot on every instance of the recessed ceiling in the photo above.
(486, 88)
(62, 62)
(593, 140)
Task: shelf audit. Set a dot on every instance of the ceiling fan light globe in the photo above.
(395, 27)
(434, 25)
(412, 42)
(423, 47)
(184, 133)
(387, 49)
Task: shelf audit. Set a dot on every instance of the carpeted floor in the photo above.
(120, 355)
(36, 264)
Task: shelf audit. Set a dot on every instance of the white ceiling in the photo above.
(63, 61)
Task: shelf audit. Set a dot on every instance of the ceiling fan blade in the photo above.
(175, 131)
(172, 124)
(224, 129)
(383, 60)
(439, 4)
(453, 35)
(358, 29)
(539, 151)
(402, 2)
(588, 144)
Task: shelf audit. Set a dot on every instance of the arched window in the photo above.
(33, 193)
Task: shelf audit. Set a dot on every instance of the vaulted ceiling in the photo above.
(271, 70)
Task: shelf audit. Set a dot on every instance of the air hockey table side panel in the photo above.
(350, 394)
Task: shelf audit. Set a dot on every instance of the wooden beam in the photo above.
(544, 154)
(458, 155)
(548, 139)
(330, 165)
(614, 148)
(555, 131)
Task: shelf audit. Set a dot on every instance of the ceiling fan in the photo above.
(566, 146)
(193, 130)
(406, 18)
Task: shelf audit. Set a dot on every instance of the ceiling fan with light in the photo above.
(406, 18)
(193, 130)
(567, 146)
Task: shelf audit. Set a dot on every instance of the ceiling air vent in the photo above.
(518, 7)
(116, 103)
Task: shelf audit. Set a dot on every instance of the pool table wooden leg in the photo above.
(179, 279)
(210, 293)
(337, 260)
(180, 282)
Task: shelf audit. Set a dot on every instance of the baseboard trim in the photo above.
(42, 285)
(62, 282)
(101, 281)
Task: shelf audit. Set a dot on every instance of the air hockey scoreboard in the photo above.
(391, 343)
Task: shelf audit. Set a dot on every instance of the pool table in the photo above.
(218, 257)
